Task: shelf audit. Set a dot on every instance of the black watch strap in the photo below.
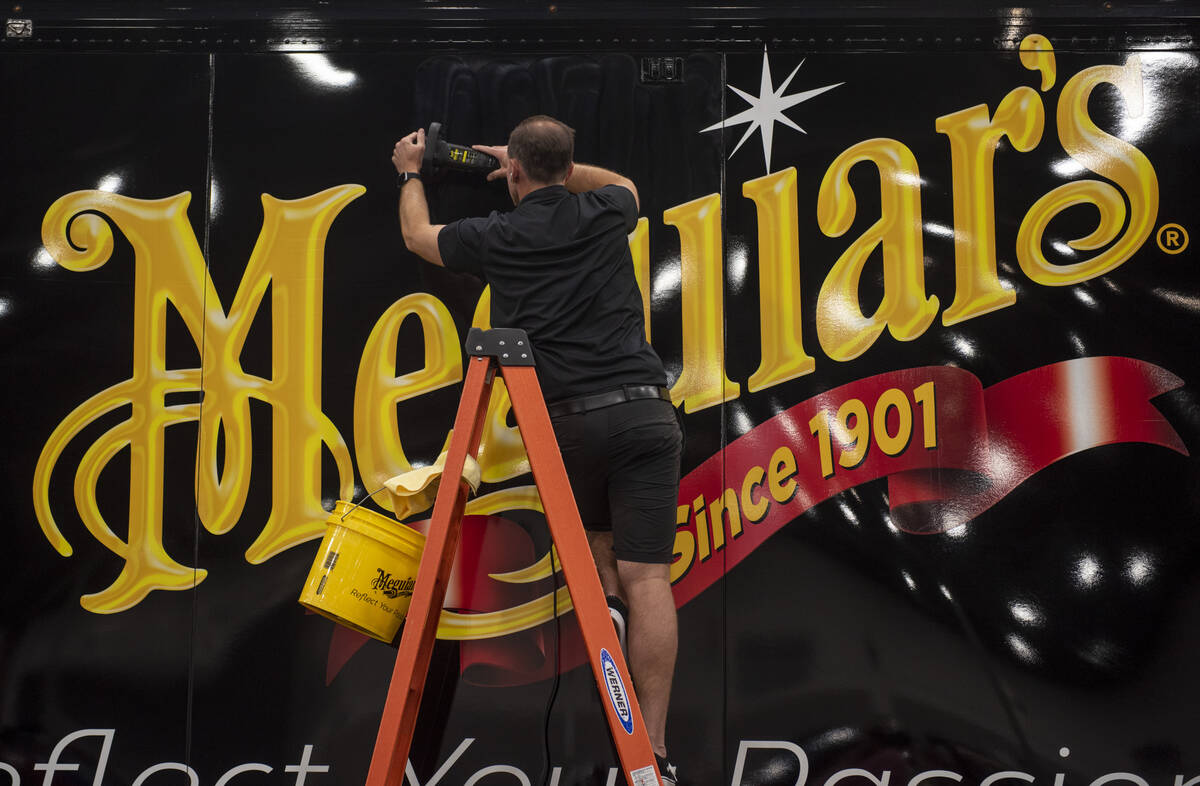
(404, 177)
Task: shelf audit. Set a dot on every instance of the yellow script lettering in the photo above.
(1108, 157)
(842, 329)
(169, 269)
(378, 390)
(973, 142)
(702, 382)
(783, 355)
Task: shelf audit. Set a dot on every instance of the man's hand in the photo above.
(408, 152)
(501, 154)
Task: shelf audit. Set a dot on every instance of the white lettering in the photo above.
(236, 771)
(1120, 776)
(1006, 774)
(411, 774)
(503, 768)
(774, 766)
(855, 772)
(924, 776)
(304, 768)
(54, 765)
(168, 765)
(748, 745)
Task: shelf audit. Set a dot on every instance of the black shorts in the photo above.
(623, 462)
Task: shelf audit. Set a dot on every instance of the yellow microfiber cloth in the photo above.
(415, 491)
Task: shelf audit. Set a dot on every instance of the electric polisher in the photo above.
(441, 156)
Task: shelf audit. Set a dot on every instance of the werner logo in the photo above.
(616, 691)
(393, 588)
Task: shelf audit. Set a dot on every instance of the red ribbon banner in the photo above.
(949, 448)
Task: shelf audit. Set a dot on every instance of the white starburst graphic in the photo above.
(767, 109)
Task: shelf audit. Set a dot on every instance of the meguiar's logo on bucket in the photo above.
(346, 582)
(392, 588)
(616, 691)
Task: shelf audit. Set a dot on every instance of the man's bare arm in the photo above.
(420, 235)
(585, 177)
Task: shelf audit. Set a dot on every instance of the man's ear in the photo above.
(514, 170)
(570, 169)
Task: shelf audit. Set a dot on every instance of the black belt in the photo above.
(573, 406)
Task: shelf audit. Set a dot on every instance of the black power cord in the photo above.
(549, 770)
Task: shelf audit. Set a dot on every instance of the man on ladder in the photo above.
(559, 267)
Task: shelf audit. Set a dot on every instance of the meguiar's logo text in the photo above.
(287, 266)
(391, 587)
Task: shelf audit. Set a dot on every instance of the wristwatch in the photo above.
(404, 177)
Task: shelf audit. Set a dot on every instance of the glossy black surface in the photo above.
(1064, 617)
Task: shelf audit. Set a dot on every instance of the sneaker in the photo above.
(668, 771)
(619, 613)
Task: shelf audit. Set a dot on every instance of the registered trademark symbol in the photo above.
(1172, 238)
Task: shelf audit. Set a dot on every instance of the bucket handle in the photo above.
(360, 502)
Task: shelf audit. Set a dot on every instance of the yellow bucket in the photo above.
(364, 572)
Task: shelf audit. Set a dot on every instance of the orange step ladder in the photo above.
(508, 351)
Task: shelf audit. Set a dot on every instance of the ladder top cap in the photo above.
(510, 346)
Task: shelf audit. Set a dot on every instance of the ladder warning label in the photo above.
(644, 777)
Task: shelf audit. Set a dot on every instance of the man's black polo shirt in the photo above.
(559, 267)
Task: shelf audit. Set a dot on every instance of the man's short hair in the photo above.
(544, 146)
